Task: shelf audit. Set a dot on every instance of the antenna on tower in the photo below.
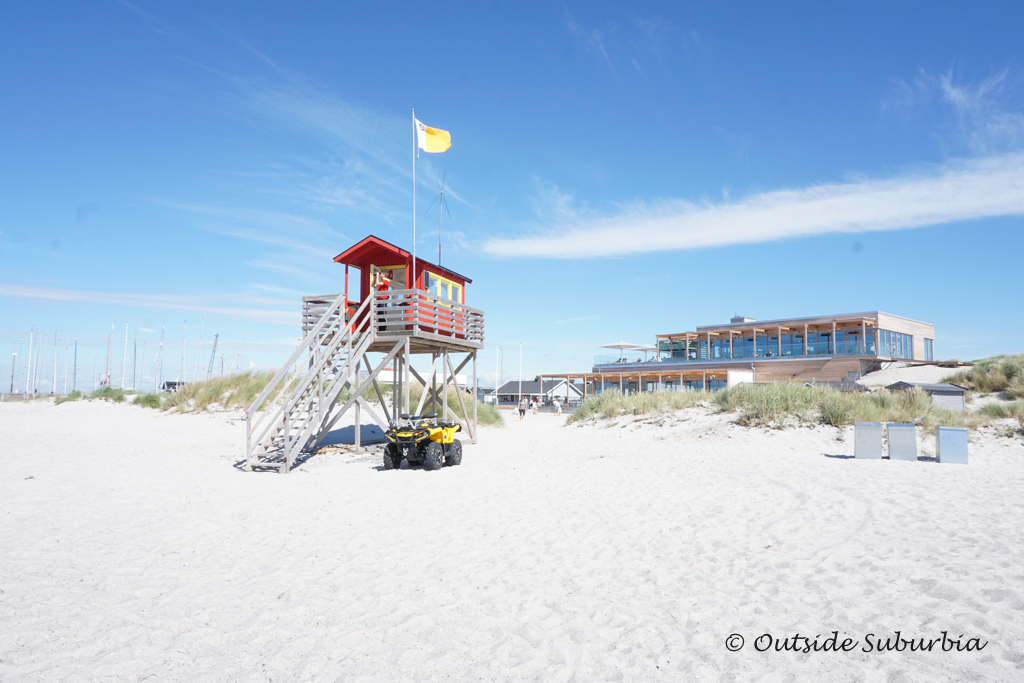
(442, 207)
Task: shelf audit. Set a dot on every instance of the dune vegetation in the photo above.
(783, 404)
(240, 390)
(997, 374)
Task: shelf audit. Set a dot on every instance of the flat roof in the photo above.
(786, 322)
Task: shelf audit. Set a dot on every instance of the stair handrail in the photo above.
(289, 399)
(306, 343)
(293, 398)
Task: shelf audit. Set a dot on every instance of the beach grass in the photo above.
(115, 395)
(230, 391)
(610, 404)
(991, 375)
(784, 404)
(73, 396)
(240, 390)
(148, 401)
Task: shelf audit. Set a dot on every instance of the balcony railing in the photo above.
(844, 349)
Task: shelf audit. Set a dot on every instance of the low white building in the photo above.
(546, 389)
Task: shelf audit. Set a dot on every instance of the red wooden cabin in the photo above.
(386, 269)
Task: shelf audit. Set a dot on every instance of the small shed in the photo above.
(949, 396)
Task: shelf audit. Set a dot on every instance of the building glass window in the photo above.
(929, 349)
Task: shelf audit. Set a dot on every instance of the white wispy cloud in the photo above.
(982, 116)
(237, 307)
(965, 190)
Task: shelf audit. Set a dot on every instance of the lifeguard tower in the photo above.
(404, 308)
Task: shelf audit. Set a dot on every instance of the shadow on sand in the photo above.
(369, 435)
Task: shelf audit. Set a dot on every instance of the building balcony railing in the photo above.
(739, 353)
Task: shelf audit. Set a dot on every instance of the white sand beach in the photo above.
(132, 549)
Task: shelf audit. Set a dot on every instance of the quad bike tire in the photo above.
(392, 457)
(454, 456)
(433, 456)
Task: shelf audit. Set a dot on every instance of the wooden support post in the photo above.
(359, 436)
(833, 339)
(863, 338)
(779, 339)
(732, 338)
(805, 340)
(433, 385)
(704, 379)
(476, 390)
(407, 378)
(755, 342)
(446, 366)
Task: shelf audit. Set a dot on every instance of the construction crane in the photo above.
(213, 354)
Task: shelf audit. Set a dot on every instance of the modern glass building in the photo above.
(830, 348)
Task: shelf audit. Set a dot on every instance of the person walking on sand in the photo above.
(558, 407)
(522, 409)
(536, 406)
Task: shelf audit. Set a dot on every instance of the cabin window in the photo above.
(442, 288)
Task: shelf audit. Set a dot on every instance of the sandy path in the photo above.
(623, 553)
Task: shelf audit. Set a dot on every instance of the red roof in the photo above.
(374, 251)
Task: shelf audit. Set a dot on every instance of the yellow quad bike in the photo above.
(423, 440)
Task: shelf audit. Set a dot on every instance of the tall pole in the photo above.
(143, 363)
(67, 342)
(440, 217)
(124, 353)
(53, 387)
(182, 376)
(497, 372)
(14, 359)
(135, 357)
(106, 369)
(39, 365)
(159, 358)
(74, 370)
(202, 329)
(28, 367)
(412, 285)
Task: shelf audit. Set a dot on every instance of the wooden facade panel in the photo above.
(918, 330)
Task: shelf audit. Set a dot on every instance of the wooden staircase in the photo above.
(299, 414)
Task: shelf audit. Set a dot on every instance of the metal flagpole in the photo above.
(124, 353)
(159, 358)
(28, 367)
(53, 388)
(195, 372)
(106, 368)
(74, 369)
(412, 285)
(182, 379)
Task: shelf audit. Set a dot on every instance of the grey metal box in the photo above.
(902, 441)
(867, 440)
(951, 445)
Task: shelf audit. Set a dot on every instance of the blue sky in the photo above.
(616, 170)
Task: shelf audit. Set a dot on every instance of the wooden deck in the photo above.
(428, 321)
